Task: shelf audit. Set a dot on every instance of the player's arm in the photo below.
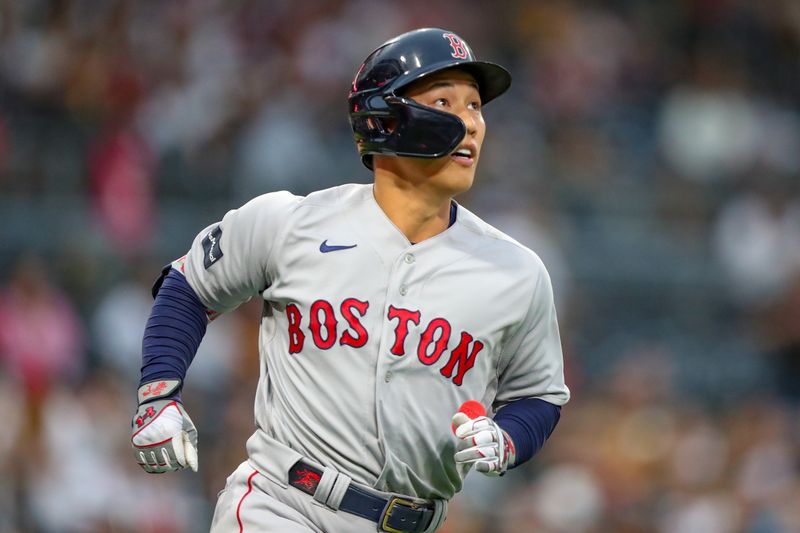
(228, 263)
(531, 390)
(164, 437)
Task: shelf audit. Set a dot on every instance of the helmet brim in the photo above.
(493, 80)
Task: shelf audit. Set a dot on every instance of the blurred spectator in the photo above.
(709, 134)
(561, 483)
(283, 147)
(36, 57)
(185, 109)
(122, 173)
(714, 129)
(757, 241)
(706, 513)
(41, 339)
(118, 322)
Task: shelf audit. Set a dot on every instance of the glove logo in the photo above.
(159, 388)
(459, 50)
(148, 413)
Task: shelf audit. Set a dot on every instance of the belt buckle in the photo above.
(394, 501)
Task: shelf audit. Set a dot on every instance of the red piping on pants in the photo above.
(239, 507)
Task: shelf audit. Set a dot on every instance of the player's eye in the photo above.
(441, 102)
(475, 105)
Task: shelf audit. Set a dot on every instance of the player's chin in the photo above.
(460, 177)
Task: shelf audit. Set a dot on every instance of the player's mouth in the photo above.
(466, 154)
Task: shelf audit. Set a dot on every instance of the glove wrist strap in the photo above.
(510, 451)
(158, 389)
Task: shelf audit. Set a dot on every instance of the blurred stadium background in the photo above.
(649, 151)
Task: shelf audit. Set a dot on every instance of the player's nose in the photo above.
(470, 121)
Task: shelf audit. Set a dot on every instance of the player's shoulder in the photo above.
(498, 244)
(336, 197)
(286, 202)
(274, 201)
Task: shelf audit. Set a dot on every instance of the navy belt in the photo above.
(393, 515)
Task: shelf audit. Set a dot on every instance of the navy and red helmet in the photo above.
(417, 130)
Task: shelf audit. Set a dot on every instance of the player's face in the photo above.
(456, 92)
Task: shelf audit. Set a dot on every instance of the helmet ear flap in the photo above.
(408, 129)
(384, 126)
(373, 124)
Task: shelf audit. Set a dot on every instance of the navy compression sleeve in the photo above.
(174, 330)
(529, 422)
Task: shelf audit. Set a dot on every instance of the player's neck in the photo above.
(417, 210)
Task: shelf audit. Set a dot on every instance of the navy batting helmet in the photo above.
(417, 130)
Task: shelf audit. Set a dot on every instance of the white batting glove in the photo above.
(164, 438)
(483, 444)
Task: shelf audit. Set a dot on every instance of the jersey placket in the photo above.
(399, 294)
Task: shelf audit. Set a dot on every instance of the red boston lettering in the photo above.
(348, 306)
(459, 357)
(433, 342)
(296, 336)
(443, 326)
(316, 326)
(404, 316)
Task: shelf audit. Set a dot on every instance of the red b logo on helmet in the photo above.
(459, 48)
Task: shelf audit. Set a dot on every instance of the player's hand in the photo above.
(483, 444)
(164, 437)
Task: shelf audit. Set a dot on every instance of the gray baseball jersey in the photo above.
(370, 343)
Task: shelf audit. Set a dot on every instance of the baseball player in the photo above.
(386, 307)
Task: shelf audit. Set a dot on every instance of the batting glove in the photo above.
(164, 438)
(483, 444)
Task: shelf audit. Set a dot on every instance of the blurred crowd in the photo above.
(648, 151)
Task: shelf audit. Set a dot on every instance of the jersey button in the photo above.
(403, 290)
(410, 258)
(388, 376)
